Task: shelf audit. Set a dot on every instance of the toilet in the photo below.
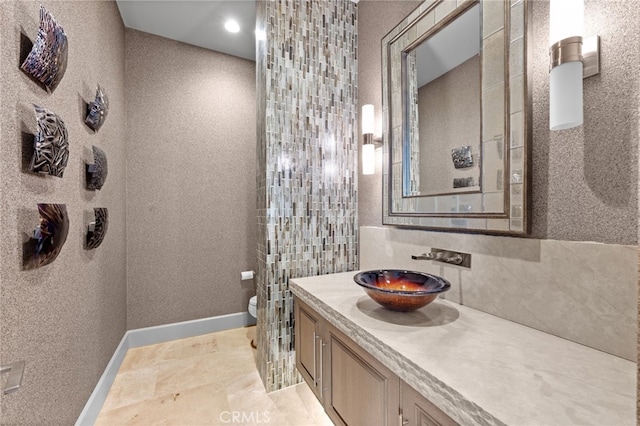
(253, 303)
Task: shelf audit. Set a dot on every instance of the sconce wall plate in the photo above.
(98, 229)
(50, 235)
(51, 144)
(47, 61)
(97, 110)
(97, 172)
(591, 56)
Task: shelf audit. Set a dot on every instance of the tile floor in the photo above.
(203, 380)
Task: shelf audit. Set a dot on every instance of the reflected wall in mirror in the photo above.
(456, 103)
(442, 108)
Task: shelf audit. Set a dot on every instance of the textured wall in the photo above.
(64, 319)
(436, 106)
(307, 162)
(190, 181)
(584, 180)
(552, 286)
(375, 19)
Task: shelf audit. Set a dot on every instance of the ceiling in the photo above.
(454, 44)
(200, 23)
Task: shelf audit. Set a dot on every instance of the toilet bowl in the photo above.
(253, 303)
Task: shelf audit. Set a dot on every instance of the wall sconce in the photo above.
(572, 60)
(369, 144)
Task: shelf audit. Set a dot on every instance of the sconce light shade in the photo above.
(565, 78)
(368, 119)
(565, 96)
(368, 147)
(566, 19)
(368, 159)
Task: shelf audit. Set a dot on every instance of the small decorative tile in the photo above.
(493, 60)
(516, 57)
(517, 21)
(492, 17)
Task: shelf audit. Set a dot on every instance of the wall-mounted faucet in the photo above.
(446, 256)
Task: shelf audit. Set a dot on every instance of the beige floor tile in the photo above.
(131, 387)
(219, 368)
(169, 351)
(206, 405)
(204, 380)
(300, 406)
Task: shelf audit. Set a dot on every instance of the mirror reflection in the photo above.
(457, 108)
(443, 110)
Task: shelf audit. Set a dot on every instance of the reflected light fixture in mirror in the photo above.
(570, 63)
(368, 146)
(232, 26)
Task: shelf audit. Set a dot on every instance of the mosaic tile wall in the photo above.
(307, 162)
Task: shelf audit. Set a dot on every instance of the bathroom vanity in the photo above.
(445, 364)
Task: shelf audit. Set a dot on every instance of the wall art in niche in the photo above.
(97, 229)
(97, 110)
(47, 61)
(48, 237)
(51, 144)
(97, 172)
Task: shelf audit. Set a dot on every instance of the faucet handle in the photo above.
(456, 259)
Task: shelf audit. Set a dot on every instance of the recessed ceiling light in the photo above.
(232, 26)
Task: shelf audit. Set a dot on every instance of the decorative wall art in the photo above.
(98, 229)
(97, 110)
(51, 145)
(97, 172)
(50, 235)
(47, 61)
(463, 182)
(462, 157)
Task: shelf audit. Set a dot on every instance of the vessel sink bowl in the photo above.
(400, 290)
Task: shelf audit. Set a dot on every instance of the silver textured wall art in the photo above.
(97, 172)
(463, 182)
(462, 157)
(50, 235)
(51, 144)
(97, 110)
(97, 229)
(47, 61)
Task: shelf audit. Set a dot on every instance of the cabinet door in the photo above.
(307, 336)
(418, 411)
(358, 390)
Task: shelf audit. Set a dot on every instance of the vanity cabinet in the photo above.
(353, 386)
(309, 348)
(417, 410)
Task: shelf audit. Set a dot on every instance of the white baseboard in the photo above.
(150, 336)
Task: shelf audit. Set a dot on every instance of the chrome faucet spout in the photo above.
(424, 256)
(446, 256)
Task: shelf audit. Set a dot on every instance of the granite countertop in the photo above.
(478, 368)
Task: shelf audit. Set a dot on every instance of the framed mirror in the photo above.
(456, 105)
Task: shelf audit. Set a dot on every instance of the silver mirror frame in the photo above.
(506, 105)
